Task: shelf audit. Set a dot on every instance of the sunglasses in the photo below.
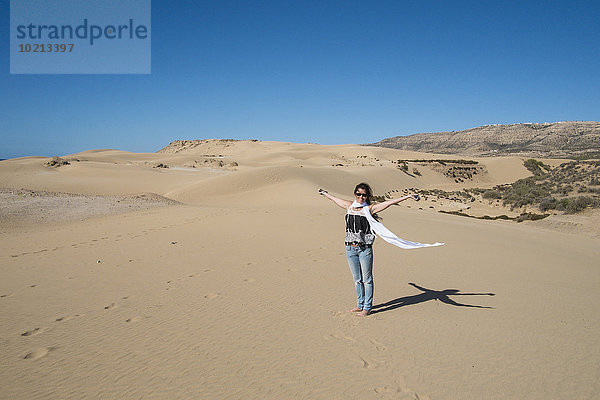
(361, 194)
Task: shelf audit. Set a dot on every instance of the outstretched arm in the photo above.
(375, 208)
(340, 202)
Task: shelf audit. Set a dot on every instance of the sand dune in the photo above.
(234, 284)
(259, 163)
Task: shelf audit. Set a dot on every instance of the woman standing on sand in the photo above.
(361, 227)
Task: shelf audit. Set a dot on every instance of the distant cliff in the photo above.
(570, 139)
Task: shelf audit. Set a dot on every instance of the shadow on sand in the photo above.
(428, 294)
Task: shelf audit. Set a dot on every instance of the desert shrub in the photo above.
(561, 205)
(568, 165)
(572, 205)
(581, 176)
(475, 190)
(503, 188)
(463, 193)
(526, 191)
(578, 204)
(443, 162)
(549, 203)
(566, 189)
(492, 194)
(416, 172)
(530, 217)
(57, 162)
(535, 166)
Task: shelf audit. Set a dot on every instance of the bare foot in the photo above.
(356, 309)
(363, 313)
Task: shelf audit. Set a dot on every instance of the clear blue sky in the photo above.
(326, 72)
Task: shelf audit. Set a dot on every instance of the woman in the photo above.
(359, 240)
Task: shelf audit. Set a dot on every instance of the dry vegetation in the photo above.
(458, 170)
(571, 187)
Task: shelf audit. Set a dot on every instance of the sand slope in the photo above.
(242, 291)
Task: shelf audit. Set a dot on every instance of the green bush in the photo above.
(549, 203)
(535, 166)
(492, 194)
(566, 189)
(562, 180)
(475, 190)
(526, 191)
(578, 204)
(530, 217)
(572, 205)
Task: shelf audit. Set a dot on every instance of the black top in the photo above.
(358, 229)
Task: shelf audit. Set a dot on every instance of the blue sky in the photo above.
(326, 72)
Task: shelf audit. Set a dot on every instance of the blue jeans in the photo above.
(360, 260)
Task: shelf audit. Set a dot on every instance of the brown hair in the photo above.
(365, 186)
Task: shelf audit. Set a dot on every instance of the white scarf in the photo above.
(388, 235)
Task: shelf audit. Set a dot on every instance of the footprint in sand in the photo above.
(382, 390)
(368, 364)
(378, 346)
(67, 317)
(342, 336)
(37, 353)
(211, 295)
(398, 393)
(32, 332)
(343, 314)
